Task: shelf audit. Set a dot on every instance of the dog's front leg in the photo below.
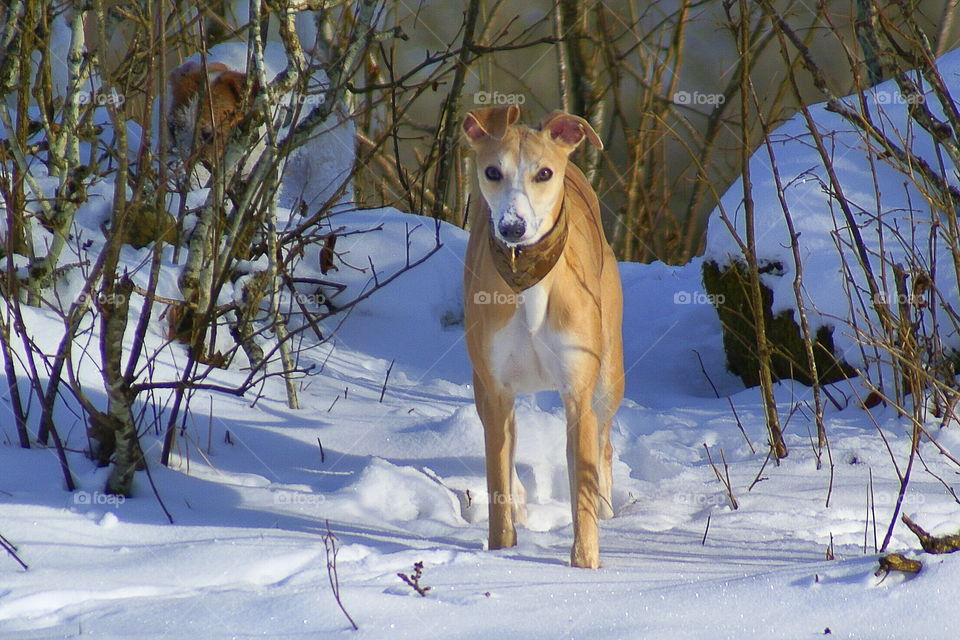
(583, 457)
(495, 406)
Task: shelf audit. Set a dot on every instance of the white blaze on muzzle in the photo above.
(518, 222)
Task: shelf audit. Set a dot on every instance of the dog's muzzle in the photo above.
(523, 266)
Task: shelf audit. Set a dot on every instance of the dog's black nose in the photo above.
(513, 230)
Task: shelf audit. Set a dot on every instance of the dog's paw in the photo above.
(585, 556)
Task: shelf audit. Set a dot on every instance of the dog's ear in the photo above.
(570, 130)
(491, 122)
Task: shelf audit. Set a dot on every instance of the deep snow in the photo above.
(401, 481)
(245, 557)
(899, 224)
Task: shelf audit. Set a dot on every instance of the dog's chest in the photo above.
(527, 354)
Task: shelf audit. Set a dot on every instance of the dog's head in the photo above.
(204, 108)
(521, 170)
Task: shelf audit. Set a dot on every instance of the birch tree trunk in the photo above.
(127, 456)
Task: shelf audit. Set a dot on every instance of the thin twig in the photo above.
(330, 545)
(706, 375)
(725, 479)
(11, 549)
(743, 431)
(414, 579)
(383, 389)
(760, 473)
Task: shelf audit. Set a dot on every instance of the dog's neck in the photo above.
(523, 266)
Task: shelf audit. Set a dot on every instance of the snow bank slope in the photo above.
(245, 556)
(898, 223)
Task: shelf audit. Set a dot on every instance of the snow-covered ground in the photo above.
(245, 556)
(900, 223)
(255, 486)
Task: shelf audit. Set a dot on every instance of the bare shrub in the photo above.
(78, 140)
(898, 265)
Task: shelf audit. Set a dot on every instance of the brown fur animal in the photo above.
(543, 309)
(204, 108)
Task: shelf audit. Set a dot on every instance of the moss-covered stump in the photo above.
(729, 286)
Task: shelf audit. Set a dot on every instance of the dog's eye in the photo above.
(543, 175)
(493, 174)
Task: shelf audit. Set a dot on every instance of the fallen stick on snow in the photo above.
(932, 544)
(12, 550)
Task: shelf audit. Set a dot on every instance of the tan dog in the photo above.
(543, 310)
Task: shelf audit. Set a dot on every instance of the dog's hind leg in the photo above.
(609, 390)
(606, 399)
(518, 499)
